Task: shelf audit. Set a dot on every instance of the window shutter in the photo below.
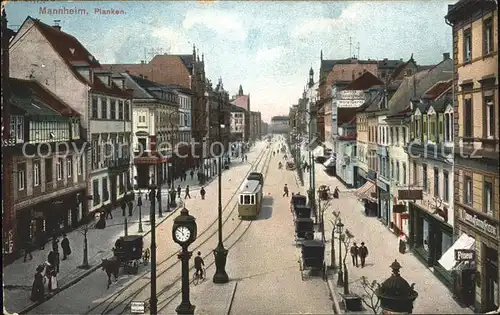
(424, 128)
(440, 127)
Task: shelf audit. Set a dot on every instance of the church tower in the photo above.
(240, 91)
(311, 78)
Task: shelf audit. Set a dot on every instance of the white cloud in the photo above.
(225, 23)
(177, 41)
(266, 54)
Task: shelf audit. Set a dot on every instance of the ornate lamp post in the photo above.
(184, 231)
(220, 253)
(395, 294)
(340, 280)
(139, 204)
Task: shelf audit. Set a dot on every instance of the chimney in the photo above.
(56, 25)
(446, 56)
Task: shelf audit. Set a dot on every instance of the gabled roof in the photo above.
(437, 89)
(401, 67)
(235, 108)
(73, 52)
(365, 81)
(389, 64)
(242, 101)
(32, 91)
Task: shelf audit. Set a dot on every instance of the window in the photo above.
(404, 173)
(80, 165)
(105, 194)
(424, 178)
(120, 110)
(112, 109)
(397, 172)
(104, 108)
(468, 117)
(127, 110)
(432, 128)
(95, 107)
(404, 135)
(59, 168)
(246, 199)
(487, 36)
(415, 174)
(36, 173)
(446, 187)
(95, 192)
(392, 135)
(468, 190)
(467, 45)
(448, 127)
(490, 117)
(48, 170)
(94, 160)
(488, 197)
(392, 169)
(21, 176)
(397, 135)
(17, 128)
(436, 182)
(69, 166)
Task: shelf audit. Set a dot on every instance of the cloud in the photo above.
(176, 41)
(223, 22)
(266, 54)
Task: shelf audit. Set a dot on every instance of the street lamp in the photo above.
(139, 204)
(158, 194)
(340, 280)
(153, 301)
(220, 253)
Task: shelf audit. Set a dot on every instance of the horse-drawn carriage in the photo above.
(128, 250)
(297, 200)
(313, 258)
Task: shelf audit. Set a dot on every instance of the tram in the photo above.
(250, 199)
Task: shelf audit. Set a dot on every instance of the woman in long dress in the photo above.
(38, 290)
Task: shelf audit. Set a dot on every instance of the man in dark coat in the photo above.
(38, 289)
(285, 191)
(354, 254)
(53, 259)
(363, 253)
(55, 243)
(66, 249)
(27, 250)
(179, 190)
(187, 195)
(202, 193)
(191, 173)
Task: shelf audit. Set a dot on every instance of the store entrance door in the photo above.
(491, 277)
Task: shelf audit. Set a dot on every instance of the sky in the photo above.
(266, 46)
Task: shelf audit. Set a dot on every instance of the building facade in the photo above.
(237, 127)
(476, 130)
(280, 124)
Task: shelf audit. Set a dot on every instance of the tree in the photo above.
(87, 223)
(369, 298)
(346, 239)
(323, 205)
(336, 217)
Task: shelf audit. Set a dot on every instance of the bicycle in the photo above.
(196, 278)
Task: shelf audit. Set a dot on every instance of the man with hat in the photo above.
(363, 253)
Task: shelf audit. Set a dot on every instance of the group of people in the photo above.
(51, 269)
(361, 251)
(187, 194)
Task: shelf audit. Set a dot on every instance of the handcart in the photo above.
(313, 258)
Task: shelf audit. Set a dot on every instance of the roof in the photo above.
(279, 118)
(242, 101)
(250, 187)
(401, 67)
(371, 103)
(389, 64)
(464, 9)
(437, 89)
(28, 92)
(403, 113)
(345, 115)
(73, 52)
(235, 108)
(327, 65)
(365, 81)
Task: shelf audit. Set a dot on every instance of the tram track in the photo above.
(111, 303)
(241, 227)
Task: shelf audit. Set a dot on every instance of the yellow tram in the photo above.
(250, 199)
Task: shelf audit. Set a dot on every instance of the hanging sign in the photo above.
(465, 255)
(410, 194)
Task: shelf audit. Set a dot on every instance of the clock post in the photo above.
(184, 232)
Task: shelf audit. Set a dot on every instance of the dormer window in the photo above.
(432, 126)
(448, 124)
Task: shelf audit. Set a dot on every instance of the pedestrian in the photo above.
(187, 195)
(285, 191)
(38, 289)
(354, 254)
(246, 157)
(192, 174)
(402, 243)
(66, 249)
(108, 213)
(55, 243)
(53, 279)
(363, 253)
(179, 189)
(52, 258)
(336, 193)
(202, 193)
(28, 247)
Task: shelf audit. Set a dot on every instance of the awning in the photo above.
(448, 259)
(330, 162)
(365, 191)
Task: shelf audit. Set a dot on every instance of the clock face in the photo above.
(182, 234)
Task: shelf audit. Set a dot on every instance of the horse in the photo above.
(112, 267)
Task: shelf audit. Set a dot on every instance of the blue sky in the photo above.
(268, 47)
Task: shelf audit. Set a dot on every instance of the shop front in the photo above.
(384, 197)
(368, 196)
(361, 176)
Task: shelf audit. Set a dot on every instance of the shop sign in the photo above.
(382, 185)
(479, 223)
(465, 255)
(398, 208)
(410, 194)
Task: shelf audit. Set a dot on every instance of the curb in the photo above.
(86, 273)
(335, 304)
(229, 306)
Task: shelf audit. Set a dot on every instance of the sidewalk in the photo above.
(18, 276)
(434, 297)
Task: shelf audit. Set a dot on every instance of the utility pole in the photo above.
(153, 300)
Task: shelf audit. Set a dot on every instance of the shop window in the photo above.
(95, 192)
(21, 176)
(424, 178)
(48, 170)
(446, 188)
(424, 228)
(488, 197)
(36, 173)
(468, 190)
(436, 182)
(105, 193)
